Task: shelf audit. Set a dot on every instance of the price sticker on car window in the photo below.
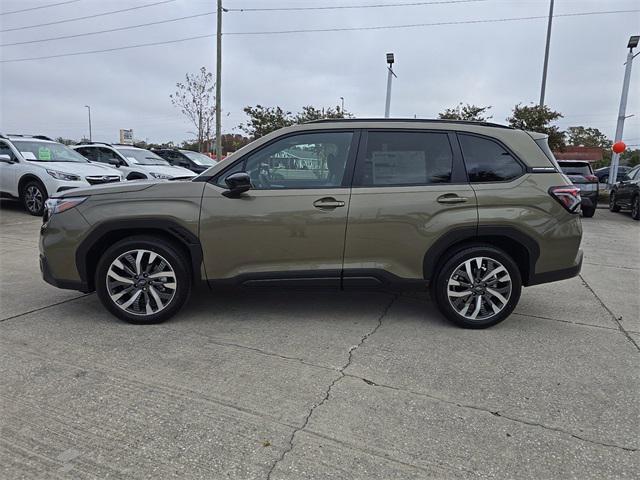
(44, 153)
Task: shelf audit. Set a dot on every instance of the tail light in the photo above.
(591, 178)
(568, 196)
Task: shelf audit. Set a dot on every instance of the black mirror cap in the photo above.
(238, 183)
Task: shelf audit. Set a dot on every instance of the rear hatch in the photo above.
(580, 174)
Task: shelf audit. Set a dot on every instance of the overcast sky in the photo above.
(498, 64)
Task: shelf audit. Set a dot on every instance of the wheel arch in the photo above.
(26, 178)
(518, 245)
(106, 234)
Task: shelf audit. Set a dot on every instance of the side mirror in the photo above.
(238, 183)
(4, 158)
(115, 162)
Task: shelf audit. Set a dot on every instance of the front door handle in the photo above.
(451, 198)
(328, 203)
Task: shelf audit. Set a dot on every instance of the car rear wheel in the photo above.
(143, 280)
(33, 196)
(478, 286)
(612, 203)
(635, 208)
(588, 212)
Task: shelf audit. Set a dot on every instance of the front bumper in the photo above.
(48, 277)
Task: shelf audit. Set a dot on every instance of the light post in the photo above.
(546, 56)
(89, 109)
(615, 158)
(342, 100)
(390, 76)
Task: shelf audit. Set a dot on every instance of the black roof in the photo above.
(409, 120)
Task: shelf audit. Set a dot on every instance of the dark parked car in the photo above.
(626, 194)
(194, 161)
(581, 175)
(603, 173)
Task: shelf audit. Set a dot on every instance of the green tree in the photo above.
(587, 137)
(264, 120)
(538, 118)
(472, 113)
(196, 101)
(65, 141)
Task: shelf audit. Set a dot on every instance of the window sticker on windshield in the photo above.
(44, 153)
(28, 155)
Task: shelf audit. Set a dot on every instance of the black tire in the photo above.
(588, 212)
(33, 195)
(635, 207)
(165, 251)
(440, 288)
(612, 202)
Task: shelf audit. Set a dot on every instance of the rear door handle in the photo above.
(328, 203)
(451, 198)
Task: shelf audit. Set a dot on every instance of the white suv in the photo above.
(33, 168)
(134, 163)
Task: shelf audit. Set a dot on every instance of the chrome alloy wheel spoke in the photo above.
(141, 282)
(479, 288)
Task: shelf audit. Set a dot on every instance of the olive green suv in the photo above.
(474, 211)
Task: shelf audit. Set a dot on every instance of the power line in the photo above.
(38, 8)
(64, 37)
(179, 40)
(342, 7)
(435, 24)
(87, 16)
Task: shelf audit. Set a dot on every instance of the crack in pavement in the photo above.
(340, 376)
(45, 307)
(613, 315)
(495, 413)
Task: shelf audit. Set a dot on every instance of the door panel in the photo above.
(273, 231)
(392, 228)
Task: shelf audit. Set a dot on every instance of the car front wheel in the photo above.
(33, 197)
(143, 280)
(478, 286)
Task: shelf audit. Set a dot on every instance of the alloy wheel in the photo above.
(33, 198)
(141, 282)
(479, 288)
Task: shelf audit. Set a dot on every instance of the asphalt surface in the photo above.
(292, 385)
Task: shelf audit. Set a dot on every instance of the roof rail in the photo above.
(94, 143)
(409, 120)
(42, 137)
(39, 137)
(4, 136)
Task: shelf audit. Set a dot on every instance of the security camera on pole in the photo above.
(387, 105)
(618, 145)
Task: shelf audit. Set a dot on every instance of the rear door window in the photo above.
(488, 161)
(401, 158)
(575, 168)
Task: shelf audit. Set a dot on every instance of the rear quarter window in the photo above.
(488, 161)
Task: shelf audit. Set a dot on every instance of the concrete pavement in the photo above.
(296, 385)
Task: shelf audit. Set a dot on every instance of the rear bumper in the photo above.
(556, 275)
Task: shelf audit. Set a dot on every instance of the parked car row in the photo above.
(33, 168)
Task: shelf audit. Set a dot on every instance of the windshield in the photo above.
(47, 152)
(142, 157)
(575, 168)
(199, 158)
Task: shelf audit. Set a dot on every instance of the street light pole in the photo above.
(546, 56)
(219, 83)
(615, 158)
(89, 109)
(390, 75)
(342, 100)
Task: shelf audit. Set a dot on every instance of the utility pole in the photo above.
(219, 84)
(342, 100)
(615, 158)
(546, 55)
(387, 105)
(89, 109)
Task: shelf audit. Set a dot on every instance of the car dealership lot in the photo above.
(245, 384)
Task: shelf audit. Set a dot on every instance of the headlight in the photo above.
(161, 176)
(59, 205)
(63, 176)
